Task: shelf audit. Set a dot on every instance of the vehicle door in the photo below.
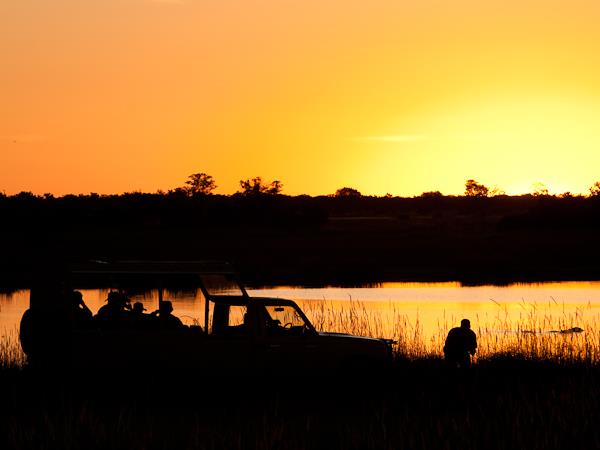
(229, 345)
(288, 342)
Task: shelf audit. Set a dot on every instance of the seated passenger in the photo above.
(115, 312)
(138, 309)
(165, 319)
(81, 316)
(138, 319)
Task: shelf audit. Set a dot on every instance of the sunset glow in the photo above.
(392, 97)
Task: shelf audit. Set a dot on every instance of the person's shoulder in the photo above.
(84, 312)
(468, 333)
(173, 319)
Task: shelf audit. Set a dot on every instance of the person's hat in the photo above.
(117, 297)
(138, 306)
(113, 296)
(165, 305)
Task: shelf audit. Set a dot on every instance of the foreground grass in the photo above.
(11, 354)
(504, 403)
(525, 390)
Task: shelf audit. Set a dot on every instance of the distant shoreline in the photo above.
(23, 280)
(305, 241)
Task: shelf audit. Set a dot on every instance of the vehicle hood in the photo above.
(350, 336)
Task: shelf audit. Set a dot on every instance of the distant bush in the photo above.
(475, 189)
(256, 186)
(347, 192)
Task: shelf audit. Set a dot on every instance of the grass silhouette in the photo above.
(527, 390)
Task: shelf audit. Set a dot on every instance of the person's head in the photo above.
(166, 307)
(76, 298)
(114, 298)
(138, 308)
(465, 323)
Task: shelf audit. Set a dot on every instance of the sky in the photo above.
(398, 97)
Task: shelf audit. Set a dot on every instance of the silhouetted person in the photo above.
(138, 309)
(460, 344)
(165, 319)
(45, 326)
(81, 316)
(137, 317)
(115, 312)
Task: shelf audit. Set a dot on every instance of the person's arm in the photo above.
(85, 309)
(473, 348)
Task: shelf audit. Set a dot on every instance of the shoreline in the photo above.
(257, 279)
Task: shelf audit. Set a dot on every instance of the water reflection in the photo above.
(424, 309)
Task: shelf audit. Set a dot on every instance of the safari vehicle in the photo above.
(239, 332)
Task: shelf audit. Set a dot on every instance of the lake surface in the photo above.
(423, 311)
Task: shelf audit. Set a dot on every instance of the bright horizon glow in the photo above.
(113, 96)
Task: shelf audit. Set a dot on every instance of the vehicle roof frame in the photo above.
(161, 270)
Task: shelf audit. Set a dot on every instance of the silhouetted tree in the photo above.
(475, 189)
(256, 186)
(595, 189)
(540, 190)
(275, 188)
(178, 192)
(25, 195)
(200, 184)
(347, 192)
(496, 191)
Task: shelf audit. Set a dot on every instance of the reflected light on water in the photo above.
(417, 314)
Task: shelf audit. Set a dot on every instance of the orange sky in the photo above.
(385, 96)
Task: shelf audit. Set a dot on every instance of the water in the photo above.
(430, 308)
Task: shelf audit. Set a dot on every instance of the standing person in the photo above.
(460, 345)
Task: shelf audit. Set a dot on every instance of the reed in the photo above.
(418, 406)
(533, 335)
(11, 354)
(527, 336)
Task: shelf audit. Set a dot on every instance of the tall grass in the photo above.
(428, 409)
(533, 335)
(528, 336)
(11, 354)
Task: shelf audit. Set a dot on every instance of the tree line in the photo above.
(202, 184)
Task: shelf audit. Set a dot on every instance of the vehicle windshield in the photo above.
(286, 317)
(221, 284)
